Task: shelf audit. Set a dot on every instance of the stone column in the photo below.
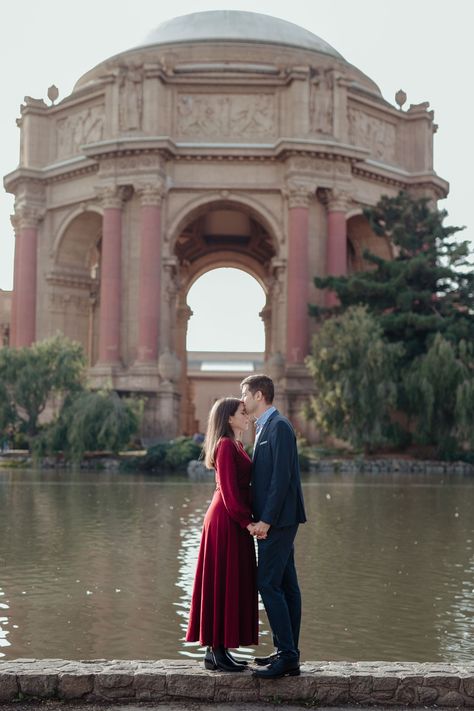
(298, 276)
(110, 278)
(183, 314)
(149, 288)
(336, 254)
(26, 262)
(14, 220)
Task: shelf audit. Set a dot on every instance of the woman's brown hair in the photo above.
(218, 426)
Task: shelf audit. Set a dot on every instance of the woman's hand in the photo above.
(254, 530)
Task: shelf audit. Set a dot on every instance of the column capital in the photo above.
(299, 192)
(113, 196)
(335, 199)
(26, 216)
(151, 193)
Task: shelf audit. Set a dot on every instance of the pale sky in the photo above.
(421, 46)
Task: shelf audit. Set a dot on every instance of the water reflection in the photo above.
(190, 535)
(4, 622)
(101, 565)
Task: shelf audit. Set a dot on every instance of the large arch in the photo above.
(75, 279)
(201, 204)
(220, 233)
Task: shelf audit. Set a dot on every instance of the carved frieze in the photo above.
(86, 126)
(238, 116)
(72, 303)
(378, 136)
(131, 165)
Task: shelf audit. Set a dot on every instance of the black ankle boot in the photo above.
(234, 660)
(216, 658)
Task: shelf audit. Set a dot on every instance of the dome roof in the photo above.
(236, 26)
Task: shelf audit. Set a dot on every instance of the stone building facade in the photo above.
(226, 139)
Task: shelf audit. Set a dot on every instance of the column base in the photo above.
(105, 375)
(161, 415)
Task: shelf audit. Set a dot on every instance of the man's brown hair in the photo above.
(260, 382)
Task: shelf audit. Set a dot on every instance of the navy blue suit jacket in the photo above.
(277, 498)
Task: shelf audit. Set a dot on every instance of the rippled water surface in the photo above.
(101, 565)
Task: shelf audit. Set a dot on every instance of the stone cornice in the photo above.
(22, 177)
(130, 146)
(164, 148)
(70, 278)
(401, 179)
(57, 172)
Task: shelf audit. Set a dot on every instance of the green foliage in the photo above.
(165, 456)
(354, 371)
(437, 387)
(422, 302)
(96, 421)
(428, 288)
(304, 453)
(30, 377)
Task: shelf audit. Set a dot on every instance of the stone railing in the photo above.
(320, 683)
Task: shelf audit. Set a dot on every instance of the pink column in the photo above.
(24, 306)
(13, 317)
(110, 280)
(298, 277)
(149, 287)
(336, 259)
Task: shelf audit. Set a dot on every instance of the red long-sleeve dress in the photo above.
(224, 606)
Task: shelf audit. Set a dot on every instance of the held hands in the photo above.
(259, 530)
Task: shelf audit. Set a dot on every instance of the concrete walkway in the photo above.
(185, 683)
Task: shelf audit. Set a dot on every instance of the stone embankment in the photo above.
(320, 683)
(389, 465)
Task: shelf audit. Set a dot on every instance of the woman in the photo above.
(224, 607)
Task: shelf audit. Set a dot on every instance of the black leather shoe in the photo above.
(280, 667)
(265, 661)
(241, 662)
(216, 659)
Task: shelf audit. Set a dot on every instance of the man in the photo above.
(278, 510)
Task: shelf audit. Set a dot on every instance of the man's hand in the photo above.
(261, 529)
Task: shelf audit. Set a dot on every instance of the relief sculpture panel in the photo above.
(226, 116)
(378, 136)
(86, 126)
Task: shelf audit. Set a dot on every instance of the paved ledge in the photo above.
(321, 683)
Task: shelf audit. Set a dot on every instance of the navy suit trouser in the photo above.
(278, 586)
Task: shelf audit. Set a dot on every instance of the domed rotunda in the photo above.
(225, 139)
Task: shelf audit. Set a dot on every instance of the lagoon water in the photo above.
(100, 565)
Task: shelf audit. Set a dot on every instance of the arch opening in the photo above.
(225, 338)
(223, 325)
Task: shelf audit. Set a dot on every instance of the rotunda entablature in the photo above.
(223, 85)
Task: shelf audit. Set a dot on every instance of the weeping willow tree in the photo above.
(94, 421)
(439, 391)
(354, 370)
(31, 377)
